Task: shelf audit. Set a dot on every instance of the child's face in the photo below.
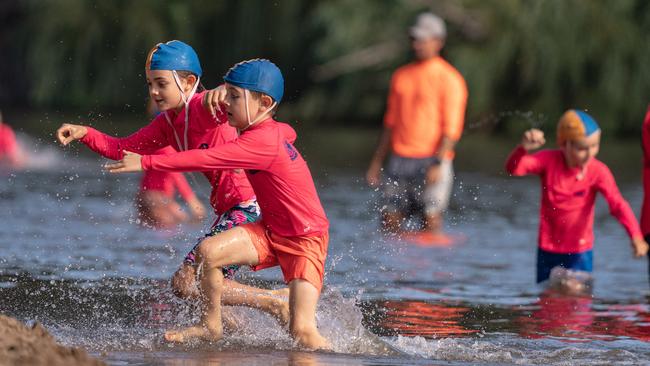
(163, 89)
(236, 106)
(578, 152)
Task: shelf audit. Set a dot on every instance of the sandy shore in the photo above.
(22, 345)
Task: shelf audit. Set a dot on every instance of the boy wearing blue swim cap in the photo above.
(293, 232)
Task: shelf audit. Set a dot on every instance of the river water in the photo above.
(73, 258)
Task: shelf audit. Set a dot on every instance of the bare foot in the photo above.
(230, 321)
(284, 292)
(189, 334)
(281, 312)
(280, 307)
(313, 340)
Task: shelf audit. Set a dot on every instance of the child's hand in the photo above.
(533, 139)
(213, 99)
(640, 247)
(131, 162)
(68, 133)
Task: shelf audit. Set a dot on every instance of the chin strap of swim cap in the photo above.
(186, 102)
(248, 115)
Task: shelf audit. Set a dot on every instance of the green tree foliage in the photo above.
(525, 61)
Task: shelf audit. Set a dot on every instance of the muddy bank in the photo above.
(23, 345)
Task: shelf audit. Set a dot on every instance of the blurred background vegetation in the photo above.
(525, 61)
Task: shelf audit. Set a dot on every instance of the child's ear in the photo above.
(266, 101)
(190, 80)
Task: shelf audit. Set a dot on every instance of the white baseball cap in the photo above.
(428, 25)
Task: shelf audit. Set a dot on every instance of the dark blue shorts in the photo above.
(546, 261)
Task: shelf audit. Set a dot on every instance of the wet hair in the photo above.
(185, 74)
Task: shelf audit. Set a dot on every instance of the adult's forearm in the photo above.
(382, 148)
(447, 145)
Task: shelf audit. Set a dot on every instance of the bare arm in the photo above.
(374, 171)
(447, 145)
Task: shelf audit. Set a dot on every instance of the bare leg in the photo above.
(234, 293)
(154, 209)
(184, 283)
(392, 221)
(434, 223)
(273, 302)
(233, 246)
(211, 288)
(303, 299)
(176, 211)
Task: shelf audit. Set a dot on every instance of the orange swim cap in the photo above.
(575, 124)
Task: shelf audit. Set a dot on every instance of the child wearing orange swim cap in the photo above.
(571, 177)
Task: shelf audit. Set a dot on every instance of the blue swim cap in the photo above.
(258, 75)
(174, 55)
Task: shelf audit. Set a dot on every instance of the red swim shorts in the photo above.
(299, 257)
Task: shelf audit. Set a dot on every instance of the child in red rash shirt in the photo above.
(571, 176)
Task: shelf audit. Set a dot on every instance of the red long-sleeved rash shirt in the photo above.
(8, 145)
(229, 187)
(567, 208)
(645, 209)
(279, 175)
(167, 182)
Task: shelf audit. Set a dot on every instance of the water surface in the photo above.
(73, 258)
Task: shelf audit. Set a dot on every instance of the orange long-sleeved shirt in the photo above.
(426, 102)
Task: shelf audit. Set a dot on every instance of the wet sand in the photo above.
(23, 345)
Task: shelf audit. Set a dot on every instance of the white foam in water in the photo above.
(536, 352)
(338, 318)
(454, 350)
(340, 321)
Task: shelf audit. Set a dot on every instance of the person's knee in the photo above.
(209, 256)
(203, 252)
(183, 282)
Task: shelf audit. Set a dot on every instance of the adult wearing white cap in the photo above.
(423, 121)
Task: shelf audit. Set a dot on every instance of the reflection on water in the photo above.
(575, 318)
(418, 318)
(72, 258)
(561, 315)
